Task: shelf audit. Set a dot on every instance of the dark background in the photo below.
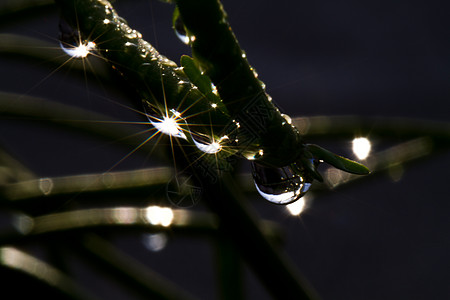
(382, 239)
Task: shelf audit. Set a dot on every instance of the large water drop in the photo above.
(279, 185)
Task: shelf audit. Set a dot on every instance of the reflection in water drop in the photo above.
(279, 185)
(155, 242)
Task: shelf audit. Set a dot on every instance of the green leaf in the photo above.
(195, 76)
(337, 161)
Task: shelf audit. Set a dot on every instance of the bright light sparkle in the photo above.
(157, 215)
(297, 207)
(361, 147)
(211, 148)
(81, 51)
(169, 126)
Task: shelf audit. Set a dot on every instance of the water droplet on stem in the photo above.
(181, 32)
(71, 42)
(279, 185)
(167, 123)
(206, 144)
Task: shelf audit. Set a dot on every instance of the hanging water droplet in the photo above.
(180, 30)
(71, 42)
(206, 144)
(168, 123)
(279, 185)
(169, 126)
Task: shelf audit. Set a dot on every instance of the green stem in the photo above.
(64, 286)
(163, 87)
(215, 48)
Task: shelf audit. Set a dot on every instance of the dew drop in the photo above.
(287, 119)
(214, 89)
(253, 154)
(108, 10)
(254, 71)
(206, 144)
(169, 126)
(180, 30)
(168, 123)
(133, 34)
(128, 44)
(71, 42)
(263, 85)
(279, 185)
